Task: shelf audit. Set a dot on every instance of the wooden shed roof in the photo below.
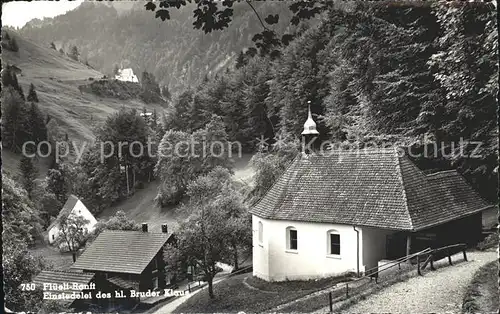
(121, 251)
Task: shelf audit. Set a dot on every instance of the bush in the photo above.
(485, 277)
(13, 45)
(489, 242)
(112, 89)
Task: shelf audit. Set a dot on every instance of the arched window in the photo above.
(291, 238)
(261, 232)
(333, 239)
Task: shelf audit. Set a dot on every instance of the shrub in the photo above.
(489, 242)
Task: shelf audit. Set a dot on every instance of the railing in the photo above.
(195, 284)
(441, 253)
(431, 256)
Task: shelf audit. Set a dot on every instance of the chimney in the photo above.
(164, 228)
(144, 227)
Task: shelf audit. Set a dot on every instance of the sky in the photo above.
(18, 13)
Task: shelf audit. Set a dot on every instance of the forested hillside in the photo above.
(178, 55)
(413, 74)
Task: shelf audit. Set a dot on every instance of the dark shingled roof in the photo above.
(121, 251)
(124, 283)
(61, 277)
(375, 188)
(65, 211)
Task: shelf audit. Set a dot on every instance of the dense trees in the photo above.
(372, 72)
(60, 181)
(166, 94)
(150, 89)
(14, 124)
(32, 96)
(130, 158)
(9, 42)
(19, 267)
(29, 173)
(217, 227)
(21, 122)
(9, 78)
(19, 217)
(121, 160)
(73, 233)
(21, 227)
(74, 54)
(466, 65)
(183, 156)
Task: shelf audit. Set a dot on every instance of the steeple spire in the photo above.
(310, 125)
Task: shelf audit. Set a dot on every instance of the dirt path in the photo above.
(437, 291)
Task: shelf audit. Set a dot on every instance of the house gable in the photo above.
(75, 207)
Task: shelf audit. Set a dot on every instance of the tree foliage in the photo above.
(9, 78)
(121, 160)
(19, 267)
(383, 73)
(20, 220)
(74, 54)
(29, 173)
(32, 96)
(119, 221)
(182, 157)
(150, 89)
(15, 128)
(60, 181)
(9, 42)
(73, 232)
(218, 226)
(21, 122)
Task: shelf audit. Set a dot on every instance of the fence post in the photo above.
(189, 288)
(432, 262)
(399, 266)
(465, 254)
(449, 256)
(418, 266)
(347, 290)
(330, 301)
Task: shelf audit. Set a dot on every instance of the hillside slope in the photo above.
(56, 78)
(178, 55)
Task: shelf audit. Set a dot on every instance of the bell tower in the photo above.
(310, 133)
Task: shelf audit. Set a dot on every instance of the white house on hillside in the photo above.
(73, 206)
(344, 211)
(126, 75)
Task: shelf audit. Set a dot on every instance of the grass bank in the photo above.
(249, 294)
(482, 295)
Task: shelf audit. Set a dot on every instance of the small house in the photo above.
(74, 207)
(127, 75)
(127, 260)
